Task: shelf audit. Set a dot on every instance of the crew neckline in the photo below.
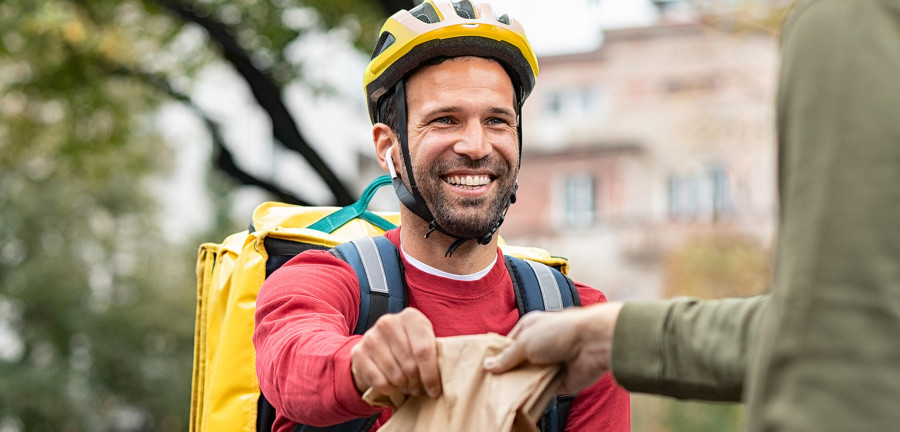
(440, 273)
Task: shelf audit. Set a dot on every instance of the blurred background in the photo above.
(132, 131)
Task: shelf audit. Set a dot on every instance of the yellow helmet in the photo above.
(444, 28)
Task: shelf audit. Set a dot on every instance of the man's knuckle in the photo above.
(422, 352)
(397, 378)
(371, 337)
(381, 384)
(410, 368)
(385, 321)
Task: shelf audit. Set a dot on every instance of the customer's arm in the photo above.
(686, 348)
(683, 348)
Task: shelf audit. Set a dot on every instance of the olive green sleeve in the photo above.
(686, 348)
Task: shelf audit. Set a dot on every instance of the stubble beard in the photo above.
(472, 217)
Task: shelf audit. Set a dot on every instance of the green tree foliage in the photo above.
(651, 413)
(96, 308)
(718, 265)
(100, 309)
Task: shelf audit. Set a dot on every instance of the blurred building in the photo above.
(661, 134)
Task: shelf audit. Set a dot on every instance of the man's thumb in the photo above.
(506, 360)
(492, 364)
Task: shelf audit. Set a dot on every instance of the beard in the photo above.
(466, 217)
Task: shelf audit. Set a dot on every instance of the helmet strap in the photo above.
(519, 133)
(410, 197)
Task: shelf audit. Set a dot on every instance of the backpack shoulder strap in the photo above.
(554, 419)
(541, 287)
(382, 287)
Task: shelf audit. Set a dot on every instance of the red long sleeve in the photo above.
(304, 313)
(307, 309)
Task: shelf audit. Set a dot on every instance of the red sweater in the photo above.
(306, 311)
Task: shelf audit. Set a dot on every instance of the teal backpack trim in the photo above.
(339, 218)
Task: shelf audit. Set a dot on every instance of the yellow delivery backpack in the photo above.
(225, 390)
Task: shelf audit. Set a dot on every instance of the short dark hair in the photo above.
(387, 111)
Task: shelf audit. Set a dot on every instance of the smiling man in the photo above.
(445, 88)
(464, 147)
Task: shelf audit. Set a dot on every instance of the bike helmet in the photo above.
(443, 28)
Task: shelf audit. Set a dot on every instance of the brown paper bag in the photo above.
(474, 399)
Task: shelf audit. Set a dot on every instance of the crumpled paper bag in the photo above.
(474, 399)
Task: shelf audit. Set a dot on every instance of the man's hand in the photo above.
(580, 338)
(398, 355)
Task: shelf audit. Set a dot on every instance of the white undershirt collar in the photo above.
(433, 271)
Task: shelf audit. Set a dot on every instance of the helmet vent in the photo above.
(425, 12)
(384, 41)
(504, 19)
(465, 9)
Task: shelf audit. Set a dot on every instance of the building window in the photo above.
(580, 102)
(586, 99)
(684, 197)
(723, 205)
(674, 185)
(580, 204)
(554, 103)
(705, 196)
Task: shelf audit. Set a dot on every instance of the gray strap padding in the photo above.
(549, 289)
(371, 260)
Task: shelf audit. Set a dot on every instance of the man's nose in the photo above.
(473, 142)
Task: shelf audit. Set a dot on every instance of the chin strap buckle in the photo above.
(432, 226)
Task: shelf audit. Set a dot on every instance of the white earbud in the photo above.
(390, 162)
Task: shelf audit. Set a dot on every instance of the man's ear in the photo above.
(384, 139)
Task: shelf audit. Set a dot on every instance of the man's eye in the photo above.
(496, 121)
(443, 120)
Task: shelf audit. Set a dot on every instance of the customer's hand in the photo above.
(579, 338)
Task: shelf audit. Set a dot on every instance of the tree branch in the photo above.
(266, 93)
(225, 161)
(222, 157)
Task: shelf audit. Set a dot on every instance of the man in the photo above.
(822, 348)
(445, 88)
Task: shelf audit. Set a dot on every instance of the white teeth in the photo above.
(468, 180)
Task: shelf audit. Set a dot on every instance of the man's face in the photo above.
(463, 143)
